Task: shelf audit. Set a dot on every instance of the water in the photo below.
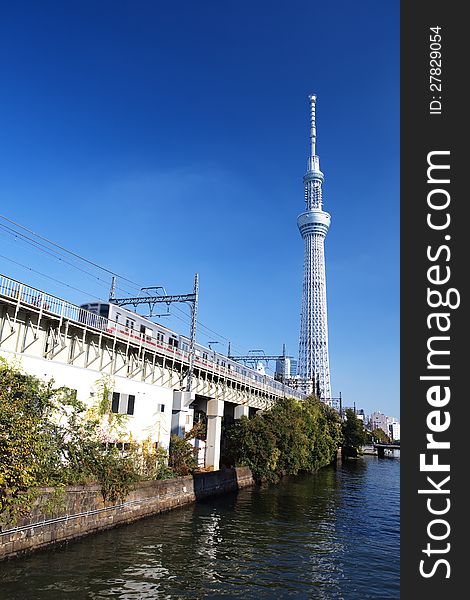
(333, 535)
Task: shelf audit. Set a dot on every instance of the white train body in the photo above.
(128, 324)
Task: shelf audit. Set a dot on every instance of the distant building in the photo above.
(394, 431)
(379, 421)
(260, 368)
(283, 369)
(361, 415)
(293, 367)
(359, 412)
(389, 425)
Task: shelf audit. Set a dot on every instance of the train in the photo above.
(129, 324)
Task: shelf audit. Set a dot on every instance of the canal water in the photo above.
(332, 535)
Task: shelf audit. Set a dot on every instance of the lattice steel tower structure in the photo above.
(314, 366)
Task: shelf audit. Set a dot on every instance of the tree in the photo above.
(251, 443)
(354, 434)
(38, 430)
(323, 428)
(289, 438)
(380, 435)
(182, 453)
(47, 438)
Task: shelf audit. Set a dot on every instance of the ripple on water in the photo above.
(333, 535)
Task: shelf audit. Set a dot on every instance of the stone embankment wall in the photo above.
(83, 510)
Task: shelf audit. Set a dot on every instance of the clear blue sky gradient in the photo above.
(159, 139)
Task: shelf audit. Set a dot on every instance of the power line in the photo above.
(49, 277)
(43, 248)
(90, 262)
(55, 254)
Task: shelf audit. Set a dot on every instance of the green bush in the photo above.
(354, 434)
(291, 437)
(380, 436)
(182, 459)
(251, 443)
(47, 439)
(116, 474)
(153, 461)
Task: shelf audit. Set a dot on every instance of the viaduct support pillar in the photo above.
(182, 416)
(240, 411)
(215, 412)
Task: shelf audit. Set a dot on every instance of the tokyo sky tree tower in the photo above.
(314, 367)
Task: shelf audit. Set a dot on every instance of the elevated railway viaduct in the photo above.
(50, 337)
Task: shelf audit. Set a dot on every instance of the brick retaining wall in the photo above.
(83, 510)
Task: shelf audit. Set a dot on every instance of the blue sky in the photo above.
(159, 139)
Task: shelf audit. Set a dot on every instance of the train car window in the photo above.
(204, 355)
(117, 317)
(104, 310)
(173, 342)
(130, 323)
(160, 336)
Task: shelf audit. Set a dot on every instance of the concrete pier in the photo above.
(215, 412)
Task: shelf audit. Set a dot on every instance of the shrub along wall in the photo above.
(82, 510)
(289, 438)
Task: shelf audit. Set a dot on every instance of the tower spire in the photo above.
(313, 126)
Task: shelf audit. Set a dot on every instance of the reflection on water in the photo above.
(333, 535)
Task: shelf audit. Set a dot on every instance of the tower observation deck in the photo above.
(313, 223)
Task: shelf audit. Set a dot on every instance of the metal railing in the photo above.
(39, 300)
(46, 303)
